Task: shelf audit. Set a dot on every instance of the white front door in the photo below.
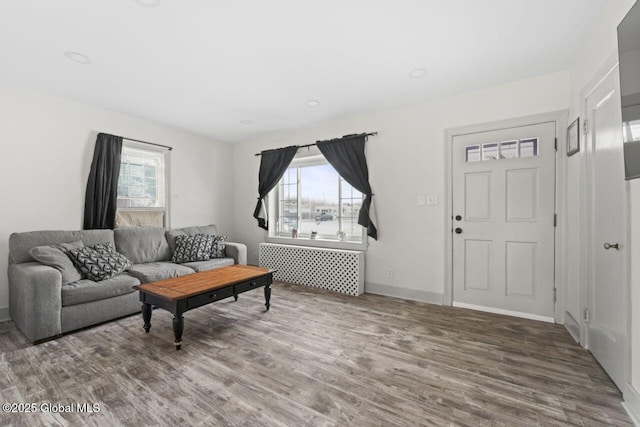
(503, 187)
(607, 334)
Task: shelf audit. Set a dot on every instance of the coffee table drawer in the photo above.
(252, 284)
(209, 297)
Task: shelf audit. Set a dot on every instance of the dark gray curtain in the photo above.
(273, 164)
(102, 185)
(346, 155)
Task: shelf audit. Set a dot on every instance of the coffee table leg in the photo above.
(178, 327)
(267, 294)
(146, 316)
(235, 297)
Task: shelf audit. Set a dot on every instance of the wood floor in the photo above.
(315, 359)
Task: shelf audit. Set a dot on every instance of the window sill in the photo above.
(318, 243)
(141, 208)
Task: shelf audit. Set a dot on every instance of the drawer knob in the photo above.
(212, 295)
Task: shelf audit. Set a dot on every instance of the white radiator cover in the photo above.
(332, 269)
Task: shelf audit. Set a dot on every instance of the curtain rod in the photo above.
(148, 143)
(345, 136)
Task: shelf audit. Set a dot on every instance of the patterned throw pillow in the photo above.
(99, 262)
(219, 247)
(192, 248)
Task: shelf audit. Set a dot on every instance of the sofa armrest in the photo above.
(35, 299)
(237, 251)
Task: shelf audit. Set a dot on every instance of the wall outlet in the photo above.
(389, 274)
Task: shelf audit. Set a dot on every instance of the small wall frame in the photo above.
(573, 137)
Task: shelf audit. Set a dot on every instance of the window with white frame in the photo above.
(314, 201)
(142, 198)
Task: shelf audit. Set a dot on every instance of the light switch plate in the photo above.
(432, 200)
(422, 201)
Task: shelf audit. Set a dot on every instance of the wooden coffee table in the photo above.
(184, 293)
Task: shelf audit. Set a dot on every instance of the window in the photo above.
(141, 187)
(631, 130)
(316, 202)
(527, 147)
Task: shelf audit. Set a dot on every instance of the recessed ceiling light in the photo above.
(246, 122)
(78, 57)
(417, 73)
(313, 103)
(149, 3)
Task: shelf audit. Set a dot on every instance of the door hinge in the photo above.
(555, 294)
(585, 126)
(587, 315)
(555, 145)
(555, 220)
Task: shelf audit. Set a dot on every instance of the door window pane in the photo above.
(490, 151)
(472, 153)
(529, 147)
(509, 150)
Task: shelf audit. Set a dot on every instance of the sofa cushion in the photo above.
(99, 262)
(21, 243)
(56, 256)
(218, 250)
(86, 290)
(142, 244)
(188, 231)
(193, 248)
(153, 271)
(210, 264)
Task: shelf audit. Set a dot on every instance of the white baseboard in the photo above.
(404, 293)
(504, 312)
(4, 314)
(572, 326)
(631, 404)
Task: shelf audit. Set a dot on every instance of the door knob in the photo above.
(612, 245)
(458, 217)
(458, 230)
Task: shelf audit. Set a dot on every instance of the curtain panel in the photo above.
(102, 186)
(273, 165)
(347, 156)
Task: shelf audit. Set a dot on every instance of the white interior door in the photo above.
(503, 187)
(607, 334)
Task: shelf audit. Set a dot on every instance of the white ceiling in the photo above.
(206, 65)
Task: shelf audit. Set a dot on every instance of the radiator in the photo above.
(332, 269)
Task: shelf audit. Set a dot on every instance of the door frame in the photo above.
(560, 118)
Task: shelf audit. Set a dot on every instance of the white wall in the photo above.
(47, 145)
(405, 160)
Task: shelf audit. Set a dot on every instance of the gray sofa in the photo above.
(42, 305)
